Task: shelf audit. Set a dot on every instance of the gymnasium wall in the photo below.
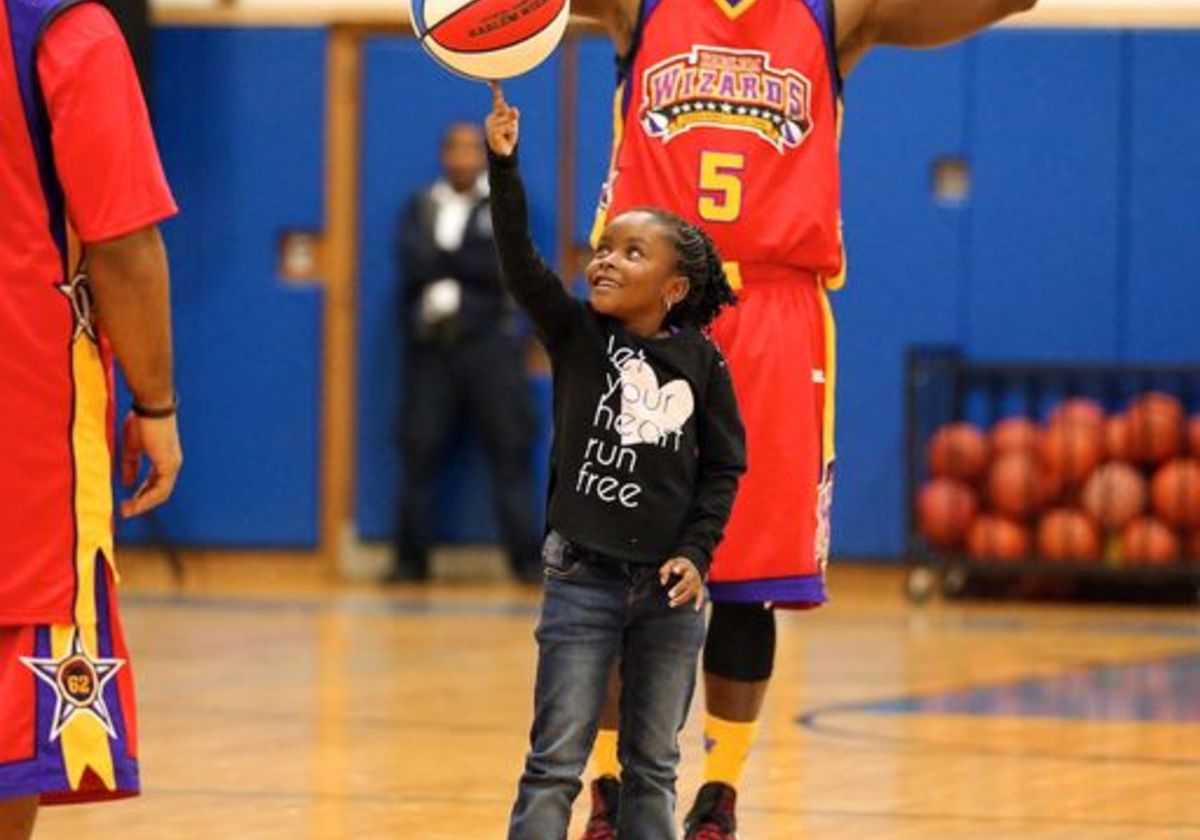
(239, 115)
(408, 100)
(1075, 242)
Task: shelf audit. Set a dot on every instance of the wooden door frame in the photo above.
(338, 250)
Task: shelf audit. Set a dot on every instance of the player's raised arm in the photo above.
(861, 24)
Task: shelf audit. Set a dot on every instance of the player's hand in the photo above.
(158, 441)
(687, 585)
(503, 124)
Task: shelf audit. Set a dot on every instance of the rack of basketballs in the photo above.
(1055, 472)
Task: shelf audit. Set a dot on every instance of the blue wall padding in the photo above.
(1045, 135)
(905, 264)
(240, 119)
(1077, 242)
(594, 129)
(1163, 322)
(408, 100)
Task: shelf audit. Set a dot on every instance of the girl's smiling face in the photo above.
(633, 275)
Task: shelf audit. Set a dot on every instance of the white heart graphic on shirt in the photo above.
(649, 412)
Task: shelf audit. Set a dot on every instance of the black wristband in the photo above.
(156, 413)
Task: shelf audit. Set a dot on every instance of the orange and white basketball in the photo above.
(490, 39)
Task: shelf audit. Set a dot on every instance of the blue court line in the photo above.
(1164, 689)
(814, 722)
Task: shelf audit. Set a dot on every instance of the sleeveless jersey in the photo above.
(727, 114)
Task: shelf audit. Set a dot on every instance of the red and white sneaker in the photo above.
(606, 804)
(712, 816)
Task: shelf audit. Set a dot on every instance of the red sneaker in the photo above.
(606, 804)
(712, 816)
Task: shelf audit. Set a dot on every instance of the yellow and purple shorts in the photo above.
(68, 730)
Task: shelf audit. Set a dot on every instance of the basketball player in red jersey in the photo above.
(727, 113)
(75, 145)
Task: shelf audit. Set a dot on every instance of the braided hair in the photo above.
(697, 259)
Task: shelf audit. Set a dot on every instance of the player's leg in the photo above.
(658, 678)
(17, 816)
(498, 400)
(427, 424)
(606, 785)
(739, 656)
(778, 345)
(578, 635)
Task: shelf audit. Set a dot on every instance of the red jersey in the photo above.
(727, 114)
(76, 143)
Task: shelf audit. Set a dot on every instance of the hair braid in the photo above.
(697, 259)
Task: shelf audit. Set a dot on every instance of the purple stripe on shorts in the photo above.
(126, 768)
(50, 772)
(808, 590)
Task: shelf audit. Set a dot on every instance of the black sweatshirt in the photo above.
(648, 442)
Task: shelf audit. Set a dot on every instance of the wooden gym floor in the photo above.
(278, 705)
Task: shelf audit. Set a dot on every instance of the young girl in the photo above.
(648, 448)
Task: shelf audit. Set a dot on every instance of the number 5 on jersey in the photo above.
(721, 186)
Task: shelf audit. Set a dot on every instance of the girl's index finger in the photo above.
(497, 95)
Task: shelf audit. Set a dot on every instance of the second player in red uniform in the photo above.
(728, 114)
(75, 144)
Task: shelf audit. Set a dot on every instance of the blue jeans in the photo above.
(594, 611)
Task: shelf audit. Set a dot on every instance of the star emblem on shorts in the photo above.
(77, 291)
(78, 680)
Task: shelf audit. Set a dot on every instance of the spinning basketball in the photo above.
(490, 39)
